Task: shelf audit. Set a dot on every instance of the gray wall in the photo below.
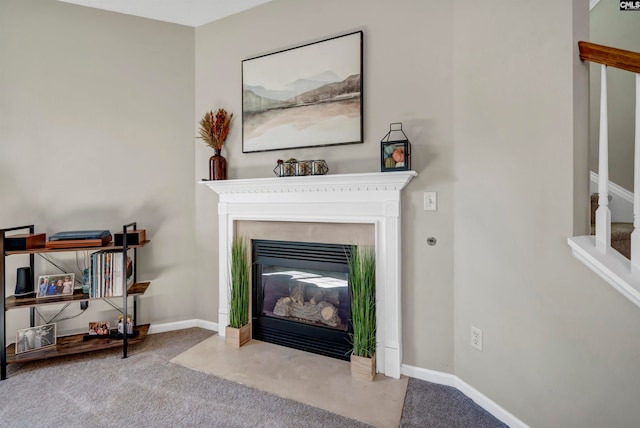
(620, 29)
(407, 78)
(494, 100)
(96, 130)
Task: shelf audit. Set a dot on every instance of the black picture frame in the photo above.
(306, 96)
(395, 156)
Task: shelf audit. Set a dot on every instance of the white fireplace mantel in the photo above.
(372, 198)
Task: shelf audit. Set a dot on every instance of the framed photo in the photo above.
(129, 325)
(307, 96)
(396, 156)
(99, 328)
(33, 338)
(55, 285)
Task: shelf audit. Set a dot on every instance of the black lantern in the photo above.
(395, 150)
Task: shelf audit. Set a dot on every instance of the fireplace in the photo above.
(300, 296)
(368, 198)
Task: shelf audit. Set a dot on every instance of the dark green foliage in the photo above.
(239, 293)
(362, 276)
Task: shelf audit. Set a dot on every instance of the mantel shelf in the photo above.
(372, 181)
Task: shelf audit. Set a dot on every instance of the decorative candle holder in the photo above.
(293, 167)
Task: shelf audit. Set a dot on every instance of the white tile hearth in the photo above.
(308, 378)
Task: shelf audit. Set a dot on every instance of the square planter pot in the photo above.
(238, 336)
(363, 368)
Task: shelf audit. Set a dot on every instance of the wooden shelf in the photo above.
(69, 345)
(74, 344)
(67, 249)
(12, 302)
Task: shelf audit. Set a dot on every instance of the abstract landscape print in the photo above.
(306, 96)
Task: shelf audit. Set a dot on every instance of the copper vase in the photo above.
(217, 166)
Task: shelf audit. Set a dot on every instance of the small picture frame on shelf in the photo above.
(34, 338)
(129, 325)
(55, 285)
(396, 156)
(99, 328)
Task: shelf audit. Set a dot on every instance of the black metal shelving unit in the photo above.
(74, 344)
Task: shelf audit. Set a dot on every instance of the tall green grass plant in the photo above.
(362, 276)
(239, 290)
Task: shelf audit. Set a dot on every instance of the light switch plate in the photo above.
(430, 201)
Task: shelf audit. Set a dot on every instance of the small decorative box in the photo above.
(24, 242)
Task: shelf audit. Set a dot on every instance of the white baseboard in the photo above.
(440, 378)
(479, 398)
(180, 325)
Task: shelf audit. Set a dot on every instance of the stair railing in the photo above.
(629, 61)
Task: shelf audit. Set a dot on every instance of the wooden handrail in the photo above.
(611, 57)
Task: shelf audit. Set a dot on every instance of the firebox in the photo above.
(300, 296)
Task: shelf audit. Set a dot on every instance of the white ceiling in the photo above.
(186, 12)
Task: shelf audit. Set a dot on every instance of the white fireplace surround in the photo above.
(372, 198)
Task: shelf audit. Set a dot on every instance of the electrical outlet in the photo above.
(476, 338)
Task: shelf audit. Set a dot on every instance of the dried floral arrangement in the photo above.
(214, 128)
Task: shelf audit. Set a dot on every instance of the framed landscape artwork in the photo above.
(306, 96)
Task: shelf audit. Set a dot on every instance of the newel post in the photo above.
(603, 214)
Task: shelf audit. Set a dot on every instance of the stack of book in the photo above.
(107, 274)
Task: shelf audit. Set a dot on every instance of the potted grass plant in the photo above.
(362, 276)
(238, 332)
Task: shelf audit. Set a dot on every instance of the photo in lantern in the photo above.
(395, 150)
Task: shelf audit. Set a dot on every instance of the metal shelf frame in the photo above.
(77, 297)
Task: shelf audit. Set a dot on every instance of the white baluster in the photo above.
(603, 214)
(635, 235)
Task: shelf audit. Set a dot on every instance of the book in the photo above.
(74, 235)
(108, 273)
(78, 243)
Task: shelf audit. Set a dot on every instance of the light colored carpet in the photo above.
(318, 381)
(102, 390)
